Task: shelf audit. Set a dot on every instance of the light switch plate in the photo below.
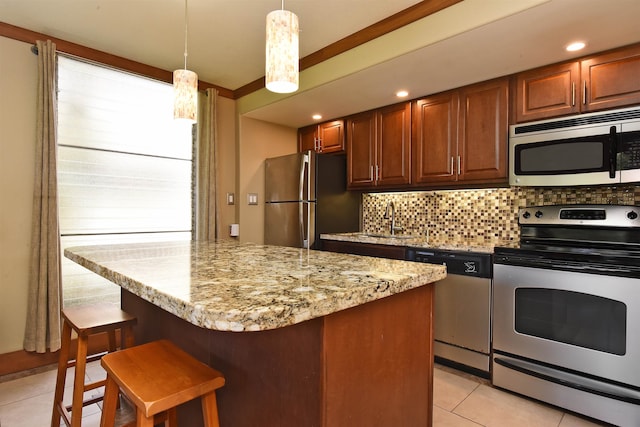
(231, 198)
(252, 198)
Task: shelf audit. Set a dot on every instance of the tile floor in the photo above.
(460, 400)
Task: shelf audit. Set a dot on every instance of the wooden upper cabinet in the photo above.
(378, 147)
(547, 92)
(461, 135)
(610, 80)
(483, 131)
(435, 138)
(361, 146)
(394, 145)
(323, 138)
(307, 138)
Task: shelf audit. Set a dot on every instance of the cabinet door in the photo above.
(434, 138)
(483, 131)
(394, 145)
(361, 161)
(331, 136)
(547, 92)
(611, 80)
(307, 138)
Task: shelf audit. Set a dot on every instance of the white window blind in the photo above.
(124, 167)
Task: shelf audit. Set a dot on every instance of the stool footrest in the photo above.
(94, 399)
(90, 359)
(93, 386)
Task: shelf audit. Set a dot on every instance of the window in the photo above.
(125, 168)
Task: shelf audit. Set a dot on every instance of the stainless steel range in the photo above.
(566, 310)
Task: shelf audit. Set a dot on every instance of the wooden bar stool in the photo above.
(86, 320)
(157, 377)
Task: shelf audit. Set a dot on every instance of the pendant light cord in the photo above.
(186, 33)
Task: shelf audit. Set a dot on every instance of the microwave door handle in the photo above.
(613, 152)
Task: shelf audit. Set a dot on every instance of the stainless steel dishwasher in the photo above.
(462, 308)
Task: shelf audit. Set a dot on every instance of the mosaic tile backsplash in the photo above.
(482, 215)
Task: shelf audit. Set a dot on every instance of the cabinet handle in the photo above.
(318, 145)
(573, 94)
(458, 165)
(584, 92)
(451, 171)
(377, 173)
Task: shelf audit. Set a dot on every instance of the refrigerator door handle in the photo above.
(304, 176)
(304, 228)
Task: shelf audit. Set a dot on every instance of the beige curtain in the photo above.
(206, 215)
(43, 305)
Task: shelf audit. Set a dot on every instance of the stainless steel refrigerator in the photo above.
(305, 195)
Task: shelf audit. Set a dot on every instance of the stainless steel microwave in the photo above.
(586, 149)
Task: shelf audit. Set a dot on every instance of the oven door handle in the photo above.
(567, 380)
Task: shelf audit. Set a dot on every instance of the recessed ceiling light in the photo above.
(316, 117)
(575, 46)
(402, 93)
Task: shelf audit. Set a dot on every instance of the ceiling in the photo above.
(471, 41)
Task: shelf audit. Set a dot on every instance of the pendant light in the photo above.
(185, 86)
(281, 69)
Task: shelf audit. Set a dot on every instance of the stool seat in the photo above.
(86, 320)
(157, 377)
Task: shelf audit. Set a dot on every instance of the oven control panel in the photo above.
(581, 215)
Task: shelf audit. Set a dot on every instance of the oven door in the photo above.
(586, 324)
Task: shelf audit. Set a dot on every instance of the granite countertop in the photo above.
(232, 286)
(415, 241)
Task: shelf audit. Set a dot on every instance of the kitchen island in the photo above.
(304, 338)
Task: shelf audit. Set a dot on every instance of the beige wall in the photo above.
(18, 78)
(258, 140)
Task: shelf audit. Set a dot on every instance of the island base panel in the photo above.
(368, 365)
(378, 362)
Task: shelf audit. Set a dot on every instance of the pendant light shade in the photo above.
(185, 86)
(185, 95)
(281, 70)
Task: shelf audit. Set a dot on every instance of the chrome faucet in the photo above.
(392, 207)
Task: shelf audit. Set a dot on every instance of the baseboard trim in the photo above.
(18, 362)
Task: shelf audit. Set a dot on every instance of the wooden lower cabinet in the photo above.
(369, 365)
(368, 249)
